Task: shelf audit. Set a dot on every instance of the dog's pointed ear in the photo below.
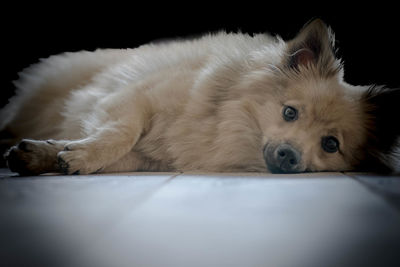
(313, 46)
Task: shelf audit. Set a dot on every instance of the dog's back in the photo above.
(36, 109)
(44, 88)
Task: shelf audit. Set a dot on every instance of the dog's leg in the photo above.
(33, 157)
(89, 155)
(97, 151)
(111, 132)
(116, 125)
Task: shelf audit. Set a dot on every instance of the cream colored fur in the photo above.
(207, 104)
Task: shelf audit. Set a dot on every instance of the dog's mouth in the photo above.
(282, 158)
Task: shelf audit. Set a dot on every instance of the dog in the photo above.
(223, 102)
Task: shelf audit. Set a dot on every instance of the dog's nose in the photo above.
(283, 159)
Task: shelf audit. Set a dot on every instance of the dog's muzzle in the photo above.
(282, 158)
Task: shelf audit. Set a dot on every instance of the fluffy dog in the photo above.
(223, 102)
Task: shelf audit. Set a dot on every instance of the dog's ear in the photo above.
(314, 45)
(381, 107)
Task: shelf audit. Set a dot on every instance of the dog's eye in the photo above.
(330, 144)
(289, 113)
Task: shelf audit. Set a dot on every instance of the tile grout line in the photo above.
(174, 176)
(122, 216)
(392, 200)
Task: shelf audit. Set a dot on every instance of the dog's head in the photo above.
(314, 121)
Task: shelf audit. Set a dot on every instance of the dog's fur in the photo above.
(211, 104)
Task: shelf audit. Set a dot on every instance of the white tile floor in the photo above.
(198, 219)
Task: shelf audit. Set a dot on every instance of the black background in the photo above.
(366, 35)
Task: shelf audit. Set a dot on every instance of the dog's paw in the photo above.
(78, 158)
(18, 161)
(30, 157)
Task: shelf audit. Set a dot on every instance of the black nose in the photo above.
(282, 159)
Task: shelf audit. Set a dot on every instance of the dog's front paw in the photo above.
(18, 162)
(77, 158)
(30, 157)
